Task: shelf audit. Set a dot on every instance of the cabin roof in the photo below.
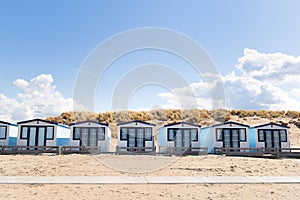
(135, 121)
(90, 122)
(7, 123)
(272, 124)
(38, 120)
(178, 123)
(229, 122)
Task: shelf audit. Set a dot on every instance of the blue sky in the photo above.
(54, 38)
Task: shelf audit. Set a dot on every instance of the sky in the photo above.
(254, 45)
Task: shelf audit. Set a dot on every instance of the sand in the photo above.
(87, 165)
(151, 192)
(124, 165)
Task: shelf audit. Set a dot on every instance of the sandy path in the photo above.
(260, 191)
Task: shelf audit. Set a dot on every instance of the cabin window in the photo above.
(272, 136)
(50, 133)
(3, 130)
(171, 134)
(194, 135)
(231, 137)
(283, 136)
(31, 132)
(101, 134)
(84, 133)
(261, 136)
(123, 134)
(219, 136)
(148, 134)
(243, 137)
(141, 133)
(191, 134)
(24, 132)
(76, 134)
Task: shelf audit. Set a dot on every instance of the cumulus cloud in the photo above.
(38, 99)
(259, 81)
(193, 96)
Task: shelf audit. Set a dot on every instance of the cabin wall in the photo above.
(220, 143)
(104, 144)
(10, 130)
(122, 143)
(63, 136)
(23, 142)
(163, 136)
(106, 147)
(162, 139)
(13, 135)
(252, 138)
(207, 139)
(270, 127)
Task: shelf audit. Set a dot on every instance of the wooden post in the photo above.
(2, 150)
(277, 152)
(59, 150)
(117, 149)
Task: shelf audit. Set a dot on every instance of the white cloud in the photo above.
(271, 67)
(260, 81)
(193, 96)
(38, 99)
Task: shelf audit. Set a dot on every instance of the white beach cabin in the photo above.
(90, 133)
(136, 134)
(7, 130)
(229, 135)
(39, 132)
(179, 135)
(272, 135)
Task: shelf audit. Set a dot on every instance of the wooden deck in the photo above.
(260, 152)
(135, 150)
(5, 150)
(185, 151)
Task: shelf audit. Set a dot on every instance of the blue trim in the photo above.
(89, 121)
(271, 123)
(37, 120)
(178, 123)
(135, 121)
(63, 126)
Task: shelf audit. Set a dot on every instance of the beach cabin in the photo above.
(135, 136)
(179, 136)
(39, 132)
(7, 130)
(271, 135)
(91, 134)
(229, 135)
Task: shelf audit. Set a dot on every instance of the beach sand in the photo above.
(87, 165)
(152, 192)
(138, 165)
